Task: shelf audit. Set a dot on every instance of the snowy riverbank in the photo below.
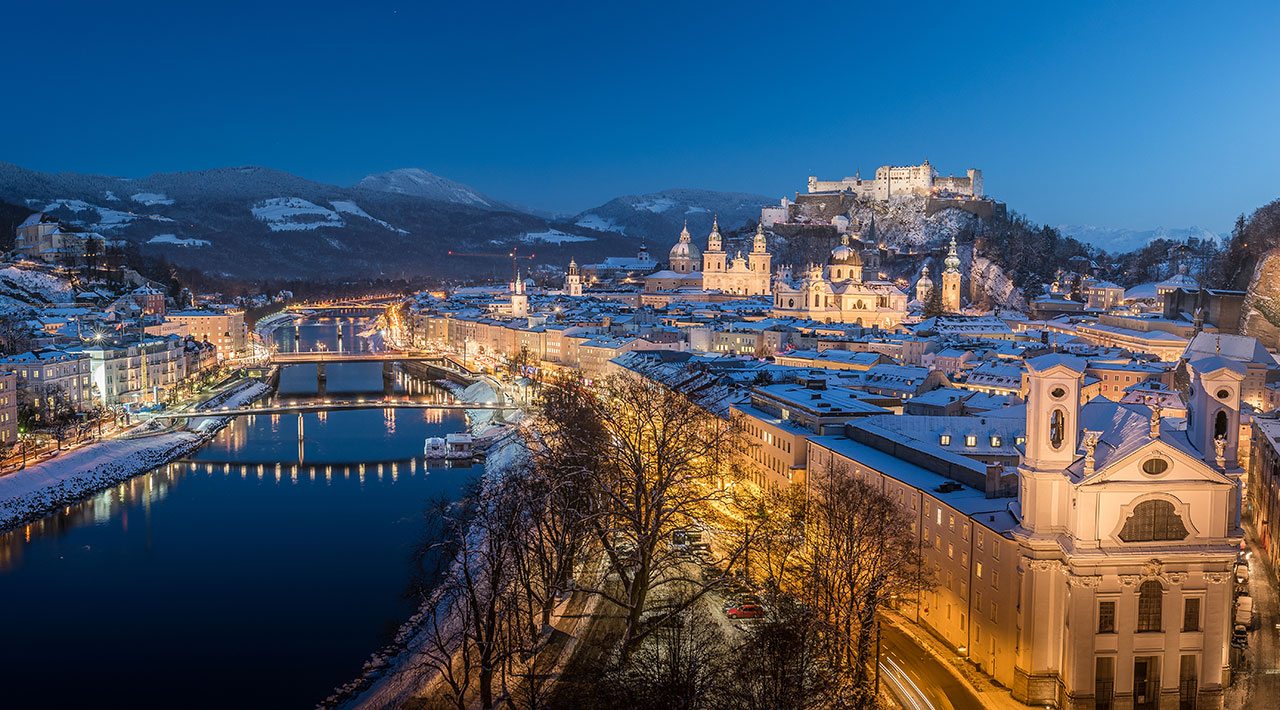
(45, 486)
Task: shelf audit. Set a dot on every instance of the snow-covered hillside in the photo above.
(294, 214)
(22, 288)
(420, 183)
(658, 216)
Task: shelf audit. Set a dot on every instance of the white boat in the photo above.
(458, 446)
(434, 448)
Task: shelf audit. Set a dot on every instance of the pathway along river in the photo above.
(237, 578)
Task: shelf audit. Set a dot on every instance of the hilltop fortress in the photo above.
(899, 180)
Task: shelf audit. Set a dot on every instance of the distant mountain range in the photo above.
(1117, 240)
(260, 223)
(659, 216)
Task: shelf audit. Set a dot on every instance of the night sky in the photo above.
(1132, 115)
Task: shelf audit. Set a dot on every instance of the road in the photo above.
(917, 679)
(1258, 683)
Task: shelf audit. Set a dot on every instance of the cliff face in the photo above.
(1260, 316)
(990, 286)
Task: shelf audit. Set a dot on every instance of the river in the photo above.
(258, 573)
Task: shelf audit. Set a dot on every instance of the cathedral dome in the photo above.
(845, 255)
(685, 249)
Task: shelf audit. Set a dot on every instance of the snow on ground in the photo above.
(657, 204)
(41, 487)
(151, 199)
(72, 476)
(294, 214)
(351, 208)
(598, 223)
(21, 287)
(90, 215)
(1147, 290)
(110, 196)
(696, 210)
(175, 240)
(554, 236)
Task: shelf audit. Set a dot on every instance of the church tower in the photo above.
(951, 280)
(573, 280)
(519, 299)
(713, 259)
(924, 286)
(760, 260)
(1213, 412)
(1054, 382)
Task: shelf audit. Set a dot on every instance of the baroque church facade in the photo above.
(838, 293)
(713, 270)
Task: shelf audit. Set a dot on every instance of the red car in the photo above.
(746, 611)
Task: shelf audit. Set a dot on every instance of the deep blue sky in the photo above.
(1121, 114)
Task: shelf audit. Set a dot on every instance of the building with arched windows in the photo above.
(1099, 572)
(689, 268)
(838, 293)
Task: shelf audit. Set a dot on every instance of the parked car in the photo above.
(1242, 574)
(745, 611)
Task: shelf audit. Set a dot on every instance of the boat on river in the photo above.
(451, 447)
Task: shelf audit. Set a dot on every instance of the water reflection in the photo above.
(186, 557)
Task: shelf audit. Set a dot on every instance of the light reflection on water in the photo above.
(245, 572)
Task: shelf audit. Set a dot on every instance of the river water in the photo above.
(261, 572)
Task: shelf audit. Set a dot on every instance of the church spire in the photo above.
(952, 261)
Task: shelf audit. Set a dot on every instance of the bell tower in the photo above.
(713, 259)
(1053, 433)
(1213, 412)
(951, 279)
(760, 261)
(573, 280)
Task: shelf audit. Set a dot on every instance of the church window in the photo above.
(1223, 394)
(1058, 393)
(1220, 424)
(1155, 467)
(1191, 614)
(1107, 617)
(1150, 599)
(1057, 428)
(1153, 520)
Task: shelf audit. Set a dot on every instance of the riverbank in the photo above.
(399, 672)
(48, 485)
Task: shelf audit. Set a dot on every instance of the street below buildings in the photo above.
(1257, 683)
(917, 678)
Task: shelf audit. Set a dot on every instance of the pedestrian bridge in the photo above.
(305, 407)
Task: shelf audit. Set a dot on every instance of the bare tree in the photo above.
(683, 666)
(859, 558)
(780, 664)
(664, 468)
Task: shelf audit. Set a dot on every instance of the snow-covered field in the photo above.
(554, 236)
(294, 214)
(598, 223)
(351, 208)
(151, 199)
(175, 240)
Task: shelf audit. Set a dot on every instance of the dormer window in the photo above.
(944, 440)
(970, 440)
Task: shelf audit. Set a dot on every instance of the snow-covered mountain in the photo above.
(1117, 240)
(420, 183)
(253, 222)
(657, 217)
